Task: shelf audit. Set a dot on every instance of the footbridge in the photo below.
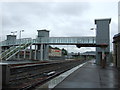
(42, 44)
(13, 46)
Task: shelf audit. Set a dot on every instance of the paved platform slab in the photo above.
(91, 76)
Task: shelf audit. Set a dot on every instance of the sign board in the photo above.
(55, 52)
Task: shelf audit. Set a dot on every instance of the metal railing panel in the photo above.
(55, 40)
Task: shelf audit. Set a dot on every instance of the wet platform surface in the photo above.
(91, 76)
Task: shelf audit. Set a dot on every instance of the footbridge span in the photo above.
(12, 46)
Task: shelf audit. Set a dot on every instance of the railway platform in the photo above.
(91, 76)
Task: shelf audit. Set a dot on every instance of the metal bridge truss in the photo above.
(21, 44)
(52, 41)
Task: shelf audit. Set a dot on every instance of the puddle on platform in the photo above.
(55, 81)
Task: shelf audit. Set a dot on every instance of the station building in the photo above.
(116, 42)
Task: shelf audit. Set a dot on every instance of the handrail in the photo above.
(48, 40)
(9, 53)
(6, 51)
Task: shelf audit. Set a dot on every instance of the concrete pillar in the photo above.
(24, 54)
(102, 37)
(41, 52)
(18, 56)
(43, 55)
(46, 52)
(30, 56)
(35, 55)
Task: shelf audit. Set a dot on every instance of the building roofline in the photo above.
(11, 35)
(104, 19)
(43, 30)
(117, 35)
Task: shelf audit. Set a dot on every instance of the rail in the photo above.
(30, 76)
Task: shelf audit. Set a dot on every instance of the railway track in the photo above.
(24, 77)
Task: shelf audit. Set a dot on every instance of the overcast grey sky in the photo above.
(62, 19)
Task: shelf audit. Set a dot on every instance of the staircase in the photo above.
(13, 50)
(6, 51)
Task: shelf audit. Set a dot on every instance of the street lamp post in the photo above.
(93, 29)
(20, 42)
(20, 35)
(13, 33)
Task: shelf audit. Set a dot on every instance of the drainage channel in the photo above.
(55, 81)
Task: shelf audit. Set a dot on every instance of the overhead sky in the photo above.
(62, 19)
(119, 17)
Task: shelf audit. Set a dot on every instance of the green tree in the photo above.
(50, 47)
(57, 48)
(64, 52)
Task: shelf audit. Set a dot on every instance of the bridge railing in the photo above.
(69, 40)
(15, 42)
(51, 40)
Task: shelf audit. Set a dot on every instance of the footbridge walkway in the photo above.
(51, 41)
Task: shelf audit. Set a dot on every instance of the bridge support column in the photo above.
(46, 52)
(35, 55)
(18, 56)
(30, 56)
(24, 54)
(41, 52)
